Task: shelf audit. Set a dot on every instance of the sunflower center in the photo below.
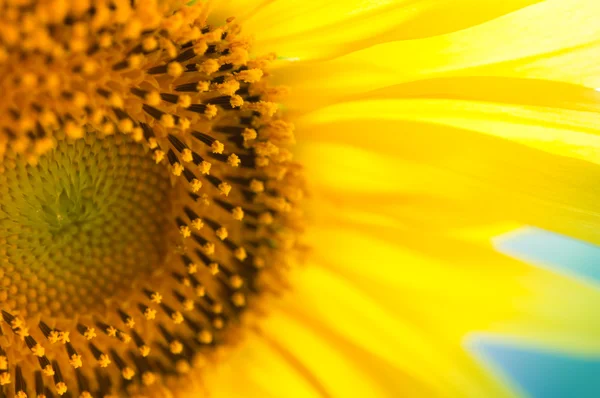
(147, 195)
(81, 224)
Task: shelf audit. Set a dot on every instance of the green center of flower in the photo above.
(81, 224)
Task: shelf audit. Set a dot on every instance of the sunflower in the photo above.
(152, 210)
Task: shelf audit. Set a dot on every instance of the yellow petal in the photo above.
(496, 89)
(391, 215)
(305, 30)
(242, 10)
(559, 131)
(462, 175)
(344, 168)
(354, 183)
(338, 374)
(520, 44)
(258, 368)
(563, 315)
(410, 263)
(352, 325)
(412, 275)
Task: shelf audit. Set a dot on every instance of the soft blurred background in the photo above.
(541, 372)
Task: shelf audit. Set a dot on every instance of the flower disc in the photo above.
(147, 199)
(82, 224)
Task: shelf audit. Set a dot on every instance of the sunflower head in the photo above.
(147, 198)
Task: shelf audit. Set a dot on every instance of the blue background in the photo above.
(536, 372)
